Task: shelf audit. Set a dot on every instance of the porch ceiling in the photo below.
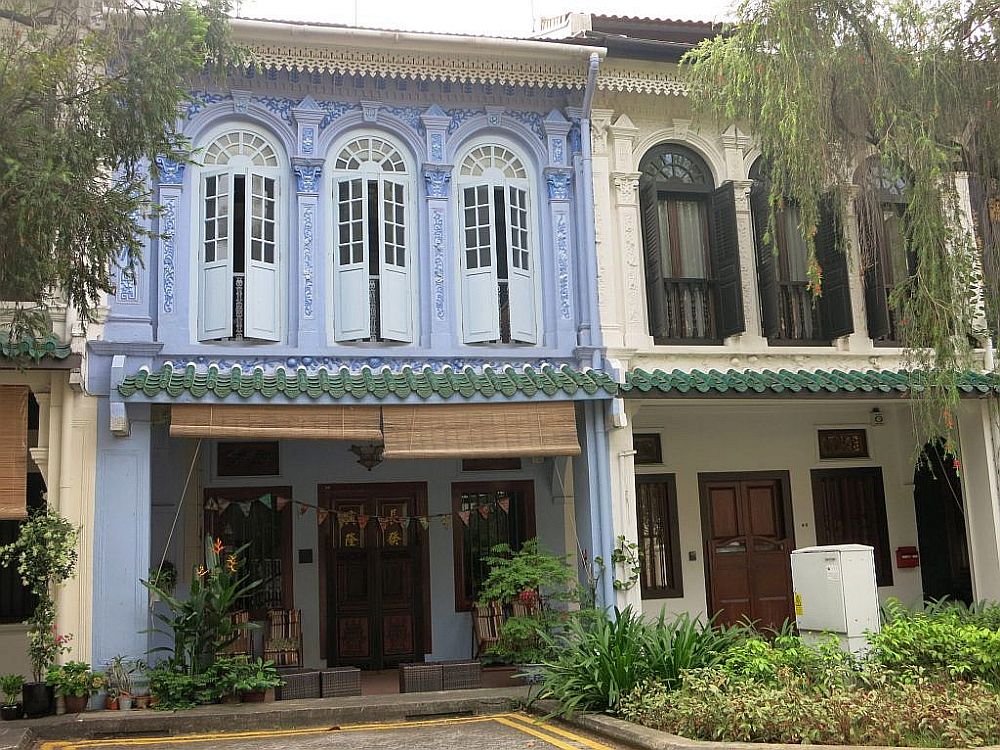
(787, 382)
(234, 384)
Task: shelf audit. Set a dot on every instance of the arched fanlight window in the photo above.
(498, 240)
(790, 313)
(689, 234)
(372, 280)
(240, 252)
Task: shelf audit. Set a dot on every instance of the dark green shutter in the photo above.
(870, 239)
(767, 273)
(655, 301)
(835, 304)
(725, 256)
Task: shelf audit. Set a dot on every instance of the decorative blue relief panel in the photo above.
(277, 106)
(437, 182)
(202, 99)
(575, 144)
(308, 292)
(127, 291)
(168, 220)
(307, 177)
(558, 152)
(171, 172)
(562, 263)
(459, 116)
(334, 110)
(308, 140)
(409, 115)
(532, 120)
(559, 183)
(438, 251)
(437, 146)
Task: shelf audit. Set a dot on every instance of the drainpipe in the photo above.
(591, 325)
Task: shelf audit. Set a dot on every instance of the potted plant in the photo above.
(10, 686)
(255, 681)
(162, 578)
(225, 673)
(120, 671)
(44, 555)
(75, 682)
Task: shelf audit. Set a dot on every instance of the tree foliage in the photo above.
(87, 93)
(841, 92)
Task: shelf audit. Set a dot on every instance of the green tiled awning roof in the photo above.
(820, 382)
(33, 347)
(528, 382)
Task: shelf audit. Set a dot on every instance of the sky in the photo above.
(491, 17)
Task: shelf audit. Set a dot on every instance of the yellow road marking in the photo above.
(560, 731)
(534, 733)
(513, 721)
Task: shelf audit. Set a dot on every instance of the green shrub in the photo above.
(714, 705)
(74, 678)
(173, 689)
(943, 641)
(761, 662)
(602, 660)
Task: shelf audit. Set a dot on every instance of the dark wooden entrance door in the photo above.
(375, 580)
(747, 526)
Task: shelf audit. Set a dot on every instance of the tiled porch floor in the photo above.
(386, 681)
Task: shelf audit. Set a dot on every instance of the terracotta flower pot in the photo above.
(254, 696)
(76, 704)
(111, 703)
(231, 698)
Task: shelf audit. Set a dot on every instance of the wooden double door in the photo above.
(377, 588)
(747, 527)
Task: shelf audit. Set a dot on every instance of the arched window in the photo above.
(371, 259)
(241, 248)
(689, 234)
(886, 254)
(790, 313)
(498, 240)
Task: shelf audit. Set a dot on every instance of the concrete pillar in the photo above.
(121, 536)
(978, 434)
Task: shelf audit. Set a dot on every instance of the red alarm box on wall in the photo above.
(907, 557)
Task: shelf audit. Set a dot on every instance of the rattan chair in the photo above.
(243, 645)
(283, 637)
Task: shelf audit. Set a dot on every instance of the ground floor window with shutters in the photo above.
(850, 509)
(16, 601)
(659, 536)
(487, 514)
(261, 519)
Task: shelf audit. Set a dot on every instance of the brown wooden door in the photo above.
(375, 580)
(747, 524)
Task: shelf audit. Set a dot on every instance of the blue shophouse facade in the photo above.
(363, 341)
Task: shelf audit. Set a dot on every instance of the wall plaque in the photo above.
(843, 443)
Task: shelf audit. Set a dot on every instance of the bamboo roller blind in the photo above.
(480, 430)
(262, 421)
(13, 452)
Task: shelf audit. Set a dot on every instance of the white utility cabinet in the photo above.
(835, 592)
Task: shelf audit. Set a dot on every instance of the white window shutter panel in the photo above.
(395, 301)
(215, 257)
(352, 316)
(520, 268)
(262, 283)
(480, 294)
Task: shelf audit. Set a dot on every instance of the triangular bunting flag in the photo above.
(282, 503)
(222, 504)
(425, 522)
(446, 521)
(405, 523)
(265, 500)
(211, 504)
(384, 522)
(321, 516)
(303, 509)
(464, 515)
(503, 503)
(484, 511)
(245, 507)
(362, 520)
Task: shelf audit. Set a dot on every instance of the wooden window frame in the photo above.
(675, 573)
(525, 486)
(883, 550)
(285, 520)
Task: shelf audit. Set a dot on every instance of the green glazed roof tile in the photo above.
(547, 381)
(33, 347)
(695, 382)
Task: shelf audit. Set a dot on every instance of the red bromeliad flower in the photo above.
(528, 597)
(218, 546)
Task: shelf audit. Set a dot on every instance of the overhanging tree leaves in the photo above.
(878, 94)
(87, 93)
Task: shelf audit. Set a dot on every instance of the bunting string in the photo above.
(277, 502)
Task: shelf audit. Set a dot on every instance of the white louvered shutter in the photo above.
(352, 316)
(215, 313)
(480, 293)
(262, 259)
